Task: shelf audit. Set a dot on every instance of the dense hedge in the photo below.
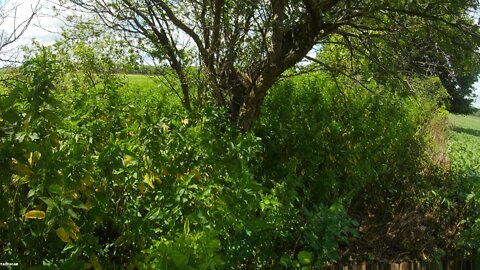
(114, 177)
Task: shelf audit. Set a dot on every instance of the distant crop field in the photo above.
(464, 144)
(143, 81)
(149, 92)
(465, 121)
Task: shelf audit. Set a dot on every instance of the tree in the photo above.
(454, 58)
(244, 47)
(12, 26)
(447, 53)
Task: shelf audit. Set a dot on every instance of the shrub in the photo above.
(115, 177)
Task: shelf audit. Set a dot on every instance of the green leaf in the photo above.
(69, 246)
(72, 214)
(305, 257)
(79, 205)
(73, 263)
(55, 189)
(153, 214)
(186, 226)
(179, 259)
(11, 116)
(51, 204)
(285, 261)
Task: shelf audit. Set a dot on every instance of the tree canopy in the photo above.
(244, 47)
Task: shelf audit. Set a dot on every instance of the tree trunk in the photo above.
(249, 113)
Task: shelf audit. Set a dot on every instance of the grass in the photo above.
(142, 81)
(464, 144)
(465, 121)
(150, 91)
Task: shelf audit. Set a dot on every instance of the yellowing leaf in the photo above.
(127, 159)
(68, 233)
(63, 235)
(33, 158)
(35, 214)
(19, 180)
(21, 169)
(88, 203)
(147, 179)
(73, 226)
(74, 236)
(94, 263)
(142, 187)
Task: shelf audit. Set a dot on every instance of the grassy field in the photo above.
(143, 81)
(465, 121)
(464, 144)
(149, 92)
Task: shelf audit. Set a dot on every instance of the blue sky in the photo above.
(47, 27)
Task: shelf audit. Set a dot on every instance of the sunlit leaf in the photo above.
(33, 158)
(63, 235)
(305, 257)
(35, 214)
(21, 169)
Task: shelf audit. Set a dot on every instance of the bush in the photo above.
(379, 154)
(115, 177)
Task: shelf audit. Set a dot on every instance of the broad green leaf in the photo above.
(50, 203)
(31, 193)
(285, 261)
(55, 189)
(11, 116)
(305, 257)
(179, 259)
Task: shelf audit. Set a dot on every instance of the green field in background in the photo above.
(464, 143)
(465, 121)
(142, 81)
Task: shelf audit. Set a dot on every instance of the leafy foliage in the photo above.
(465, 162)
(243, 48)
(115, 175)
